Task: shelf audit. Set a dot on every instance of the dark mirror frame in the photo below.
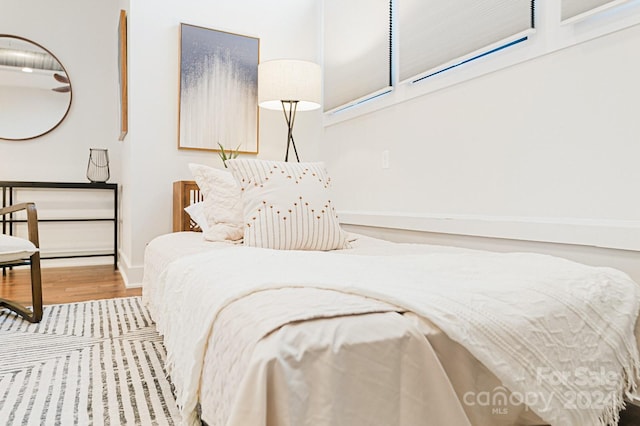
(70, 89)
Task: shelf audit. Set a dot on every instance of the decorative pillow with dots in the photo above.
(287, 206)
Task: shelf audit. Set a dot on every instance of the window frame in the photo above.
(550, 35)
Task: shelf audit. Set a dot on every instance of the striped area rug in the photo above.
(89, 363)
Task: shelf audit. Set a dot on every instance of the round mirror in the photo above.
(35, 91)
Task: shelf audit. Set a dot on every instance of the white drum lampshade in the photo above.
(289, 80)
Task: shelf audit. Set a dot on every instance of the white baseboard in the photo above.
(624, 260)
(131, 275)
(615, 234)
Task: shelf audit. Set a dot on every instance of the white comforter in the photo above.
(543, 325)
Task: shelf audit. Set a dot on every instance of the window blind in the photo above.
(433, 33)
(357, 50)
(574, 8)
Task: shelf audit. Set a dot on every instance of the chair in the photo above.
(15, 251)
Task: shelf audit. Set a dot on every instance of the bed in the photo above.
(249, 344)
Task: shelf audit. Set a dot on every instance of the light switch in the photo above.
(385, 159)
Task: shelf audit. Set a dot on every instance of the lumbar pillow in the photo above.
(287, 205)
(222, 203)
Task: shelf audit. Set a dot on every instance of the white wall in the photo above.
(543, 150)
(553, 140)
(286, 28)
(83, 36)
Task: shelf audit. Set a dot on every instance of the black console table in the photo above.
(8, 188)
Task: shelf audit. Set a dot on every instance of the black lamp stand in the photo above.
(290, 116)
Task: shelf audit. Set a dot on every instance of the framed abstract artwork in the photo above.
(218, 90)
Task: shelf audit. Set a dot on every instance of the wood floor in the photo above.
(66, 285)
(77, 284)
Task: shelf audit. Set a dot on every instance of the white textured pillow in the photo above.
(222, 203)
(196, 212)
(14, 248)
(287, 206)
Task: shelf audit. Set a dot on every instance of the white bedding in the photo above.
(583, 314)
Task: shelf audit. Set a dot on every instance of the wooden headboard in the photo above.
(185, 193)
